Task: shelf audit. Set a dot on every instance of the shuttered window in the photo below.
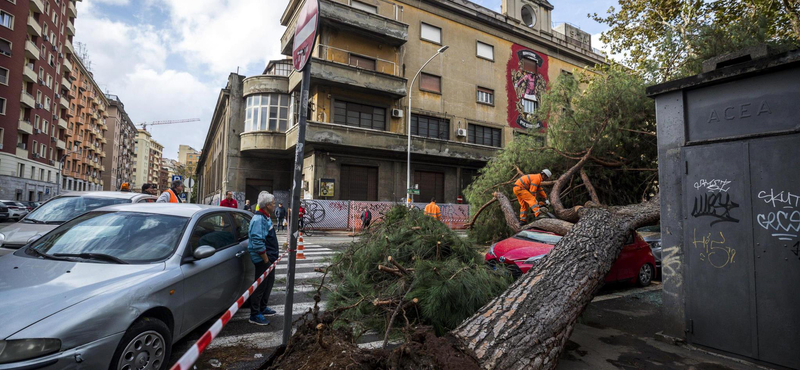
(431, 185)
(430, 33)
(485, 51)
(434, 127)
(362, 62)
(365, 7)
(359, 115)
(359, 183)
(430, 83)
(5, 47)
(484, 135)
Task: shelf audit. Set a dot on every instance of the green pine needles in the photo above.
(444, 272)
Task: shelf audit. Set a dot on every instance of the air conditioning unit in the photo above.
(53, 139)
(52, 162)
(58, 96)
(55, 117)
(41, 82)
(462, 132)
(22, 146)
(37, 131)
(61, 55)
(35, 156)
(397, 113)
(54, 48)
(46, 38)
(39, 106)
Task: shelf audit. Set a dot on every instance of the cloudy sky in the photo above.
(168, 59)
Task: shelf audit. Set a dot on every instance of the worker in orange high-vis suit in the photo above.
(527, 189)
(433, 210)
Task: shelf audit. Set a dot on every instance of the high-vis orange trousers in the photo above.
(527, 203)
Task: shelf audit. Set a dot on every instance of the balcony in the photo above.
(22, 151)
(63, 102)
(60, 144)
(27, 99)
(70, 28)
(28, 74)
(37, 6)
(25, 127)
(62, 123)
(381, 24)
(70, 113)
(103, 140)
(102, 168)
(71, 9)
(66, 65)
(337, 73)
(31, 51)
(69, 133)
(68, 45)
(34, 29)
(66, 83)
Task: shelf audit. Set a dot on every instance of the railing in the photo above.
(342, 56)
(384, 8)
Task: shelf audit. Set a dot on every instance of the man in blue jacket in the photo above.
(263, 248)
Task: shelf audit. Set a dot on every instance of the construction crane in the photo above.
(144, 125)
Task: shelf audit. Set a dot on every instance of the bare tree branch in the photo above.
(475, 216)
(589, 186)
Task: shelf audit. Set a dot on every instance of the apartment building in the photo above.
(466, 104)
(148, 160)
(121, 140)
(36, 62)
(188, 157)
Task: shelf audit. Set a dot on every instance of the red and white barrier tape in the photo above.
(190, 357)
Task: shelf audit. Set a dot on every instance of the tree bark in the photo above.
(527, 326)
(589, 186)
(508, 211)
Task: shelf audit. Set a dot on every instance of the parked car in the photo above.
(31, 205)
(652, 235)
(114, 288)
(58, 210)
(520, 252)
(4, 214)
(16, 210)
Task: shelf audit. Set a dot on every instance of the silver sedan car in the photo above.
(114, 288)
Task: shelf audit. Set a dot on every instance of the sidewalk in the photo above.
(617, 331)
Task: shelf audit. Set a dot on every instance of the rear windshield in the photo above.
(539, 237)
(63, 209)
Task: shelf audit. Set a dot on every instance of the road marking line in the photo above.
(300, 276)
(303, 265)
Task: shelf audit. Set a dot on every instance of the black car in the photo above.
(3, 213)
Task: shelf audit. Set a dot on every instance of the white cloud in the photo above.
(113, 2)
(596, 43)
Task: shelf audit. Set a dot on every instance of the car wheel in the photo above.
(146, 345)
(645, 275)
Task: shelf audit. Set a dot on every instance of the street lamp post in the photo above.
(411, 86)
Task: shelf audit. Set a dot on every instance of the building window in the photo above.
(485, 51)
(528, 16)
(5, 47)
(365, 7)
(267, 112)
(430, 33)
(529, 106)
(484, 135)
(3, 106)
(433, 127)
(3, 76)
(6, 20)
(359, 115)
(430, 83)
(362, 62)
(21, 170)
(485, 96)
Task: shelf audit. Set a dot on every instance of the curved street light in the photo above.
(411, 86)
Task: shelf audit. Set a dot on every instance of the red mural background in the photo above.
(526, 74)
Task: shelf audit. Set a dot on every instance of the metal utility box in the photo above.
(729, 171)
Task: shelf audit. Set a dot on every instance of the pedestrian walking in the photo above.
(263, 248)
(280, 214)
(247, 205)
(433, 210)
(301, 214)
(366, 218)
(229, 201)
(172, 194)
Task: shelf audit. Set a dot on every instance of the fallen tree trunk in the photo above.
(527, 326)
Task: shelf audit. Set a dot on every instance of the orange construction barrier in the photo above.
(300, 247)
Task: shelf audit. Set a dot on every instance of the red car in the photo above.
(520, 252)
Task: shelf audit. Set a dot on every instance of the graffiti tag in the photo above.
(714, 205)
(713, 185)
(785, 198)
(715, 252)
(785, 225)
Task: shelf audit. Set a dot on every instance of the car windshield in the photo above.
(539, 237)
(62, 209)
(10, 203)
(126, 237)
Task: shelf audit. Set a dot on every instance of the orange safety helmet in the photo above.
(125, 187)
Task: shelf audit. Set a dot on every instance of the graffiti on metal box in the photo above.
(783, 219)
(714, 250)
(713, 185)
(716, 205)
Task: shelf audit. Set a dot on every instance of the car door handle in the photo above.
(240, 253)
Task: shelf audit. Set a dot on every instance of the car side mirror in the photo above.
(204, 251)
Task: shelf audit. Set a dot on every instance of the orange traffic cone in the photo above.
(300, 247)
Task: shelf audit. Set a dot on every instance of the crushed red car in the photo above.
(521, 251)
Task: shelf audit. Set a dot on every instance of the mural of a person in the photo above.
(528, 80)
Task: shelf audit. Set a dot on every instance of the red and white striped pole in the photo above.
(190, 357)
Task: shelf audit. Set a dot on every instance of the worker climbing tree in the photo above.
(530, 193)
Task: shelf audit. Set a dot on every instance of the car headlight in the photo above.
(533, 259)
(25, 349)
(491, 249)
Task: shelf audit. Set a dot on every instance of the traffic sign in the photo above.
(188, 183)
(177, 178)
(413, 191)
(305, 33)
